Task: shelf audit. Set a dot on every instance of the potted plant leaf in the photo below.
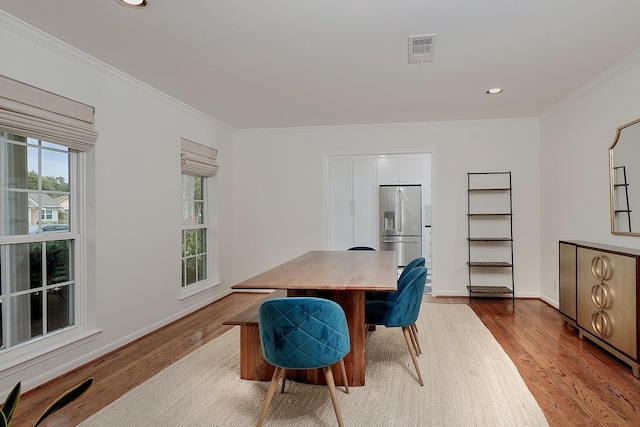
(11, 402)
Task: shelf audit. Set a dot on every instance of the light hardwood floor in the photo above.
(575, 382)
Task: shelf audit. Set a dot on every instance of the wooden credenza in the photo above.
(599, 289)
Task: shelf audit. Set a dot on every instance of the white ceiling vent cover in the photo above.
(421, 48)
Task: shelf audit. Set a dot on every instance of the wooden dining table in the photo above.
(343, 277)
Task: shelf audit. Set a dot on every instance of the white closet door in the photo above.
(340, 206)
(365, 195)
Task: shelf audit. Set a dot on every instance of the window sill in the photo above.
(198, 288)
(36, 352)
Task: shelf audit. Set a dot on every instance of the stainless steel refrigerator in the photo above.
(401, 221)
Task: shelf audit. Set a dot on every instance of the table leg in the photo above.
(253, 366)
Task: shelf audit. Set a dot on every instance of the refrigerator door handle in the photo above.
(401, 241)
(399, 212)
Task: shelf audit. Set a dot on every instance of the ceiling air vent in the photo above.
(421, 48)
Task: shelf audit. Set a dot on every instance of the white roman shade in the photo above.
(28, 111)
(198, 159)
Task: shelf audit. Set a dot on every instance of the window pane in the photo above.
(59, 307)
(36, 183)
(26, 317)
(16, 166)
(190, 243)
(202, 267)
(35, 264)
(55, 170)
(25, 261)
(197, 188)
(15, 213)
(191, 270)
(33, 166)
(192, 203)
(202, 242)
(197, 211)
(58, 262)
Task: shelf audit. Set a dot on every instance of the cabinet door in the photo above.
(353, 201)
(568, 280)
(387, 171)
(607, 307)
(365, 212)
(410, 169)
(400, 169)
(340, 206)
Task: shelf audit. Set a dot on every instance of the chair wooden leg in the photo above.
(414, 343)
(414, 334)
(284, 379)
(269, 396)
(343, 372)
(412, 351)
(332, 390)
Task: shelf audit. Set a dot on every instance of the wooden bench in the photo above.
(253, 366)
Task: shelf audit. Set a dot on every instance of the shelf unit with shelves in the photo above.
(490, 234)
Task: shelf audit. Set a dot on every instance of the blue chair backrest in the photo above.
(418, 262)
(302, 332)
(405, 278)
(406, 307)
(361, 248)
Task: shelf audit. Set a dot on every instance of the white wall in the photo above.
(575, 140)
(134, 215)
(279, 190)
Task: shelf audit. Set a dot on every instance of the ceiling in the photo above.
(288, 63)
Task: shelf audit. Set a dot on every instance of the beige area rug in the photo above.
(469, 381)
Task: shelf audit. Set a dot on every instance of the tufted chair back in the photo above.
(303, 332)
(407, 304)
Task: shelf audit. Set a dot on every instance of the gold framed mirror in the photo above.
(624, 180)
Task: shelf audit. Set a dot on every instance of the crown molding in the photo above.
(613, 72)
(442, 124)
(61, 48)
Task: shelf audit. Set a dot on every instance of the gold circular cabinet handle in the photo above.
(600, 267)
(600, 323)
(600, 295)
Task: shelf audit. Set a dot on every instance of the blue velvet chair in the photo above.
(361, 248)
(402, 311)
(389, 296)
(386, 296)
(303, 333)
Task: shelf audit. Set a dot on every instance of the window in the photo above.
(42, 140)
(37, 291)
(194, 232)
(198, 166)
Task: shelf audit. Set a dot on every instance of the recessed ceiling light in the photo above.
(494, 91)
(138, 4)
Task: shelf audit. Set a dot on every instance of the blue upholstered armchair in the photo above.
(401, 312)
(303, 333)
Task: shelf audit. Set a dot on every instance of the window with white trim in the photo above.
(198, 166)
(194, 230)
(42, 136)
